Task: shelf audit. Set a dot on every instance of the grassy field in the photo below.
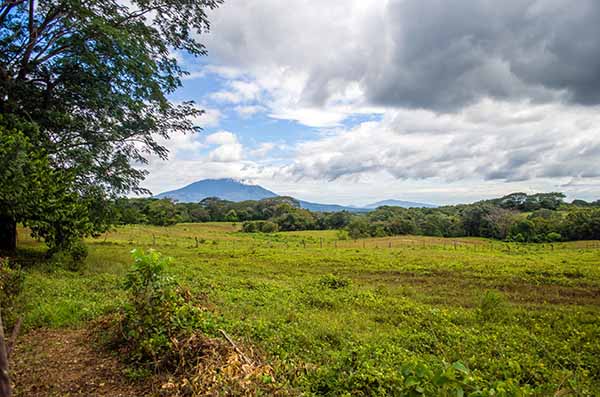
(342, 317)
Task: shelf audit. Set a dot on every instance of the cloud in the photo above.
(521, 142)
(221, 138)
(247, 111)
(237, 92)
(263, 149)
(209, 118)
(229, 150)
(428, 54)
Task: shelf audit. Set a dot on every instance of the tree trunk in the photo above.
(5, 389)
(8, 234)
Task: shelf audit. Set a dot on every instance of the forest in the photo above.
(517, 217)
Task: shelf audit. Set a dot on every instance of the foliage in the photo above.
(260, 227)
(71, 258)
(84, 91)
(34, 193)
(11, 284)
(334, 282)
(158, 315)
(492, 306)
(162, 213)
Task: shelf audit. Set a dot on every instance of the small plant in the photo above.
(334, 282)
(492, 306)
(159, 319)
(71, 258)
(11, 285)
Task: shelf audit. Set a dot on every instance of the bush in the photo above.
(492, 306)
(249, 227)
(334, 282)
(342, 235)
(553, 237)
(11, 285)
(157, 326)
(71, 258)
(260, 226)
(268, 227)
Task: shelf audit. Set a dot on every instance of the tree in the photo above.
(33, 192)
(93, 77)
(162, 213)
(524, 229)
(358, 228)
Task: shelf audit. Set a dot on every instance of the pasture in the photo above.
(364, 317)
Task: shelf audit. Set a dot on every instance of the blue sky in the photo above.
(351, 102)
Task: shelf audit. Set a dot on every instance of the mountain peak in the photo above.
(224, 188)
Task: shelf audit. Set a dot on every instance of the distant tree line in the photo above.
(543, 217)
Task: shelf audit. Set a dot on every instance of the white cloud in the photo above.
(263, 149)
(238, 91)
(210, 118)
(513, 142)
(226, 153)
(247, 111)
(221, 138)
(229, 150)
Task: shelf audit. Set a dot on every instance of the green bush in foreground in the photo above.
(157, 326)
(11, 284)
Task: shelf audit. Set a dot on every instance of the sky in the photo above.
(355, 101)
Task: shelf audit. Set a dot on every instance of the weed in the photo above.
(334, 282)
(492, 306)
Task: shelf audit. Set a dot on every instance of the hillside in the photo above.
(399, 203)
(226, 189)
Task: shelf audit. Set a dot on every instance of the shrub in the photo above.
(260, 226)
(334, 282)
(157, 326)
(249, 227)
(71, 258)
(492, 306)
(553, 237)
(268, 227)
(11, 284)
(342, 235)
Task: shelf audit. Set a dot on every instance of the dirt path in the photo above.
(64, 363)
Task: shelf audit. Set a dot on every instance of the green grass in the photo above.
(344, 319)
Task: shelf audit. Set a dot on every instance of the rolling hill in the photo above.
(400, 203)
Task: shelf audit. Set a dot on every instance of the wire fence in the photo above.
(411, 242)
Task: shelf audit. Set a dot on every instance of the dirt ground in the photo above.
(65, 363)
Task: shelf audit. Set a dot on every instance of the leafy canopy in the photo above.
(93, 78)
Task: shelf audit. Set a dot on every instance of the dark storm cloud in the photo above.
(431, 54)
(445, 54)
